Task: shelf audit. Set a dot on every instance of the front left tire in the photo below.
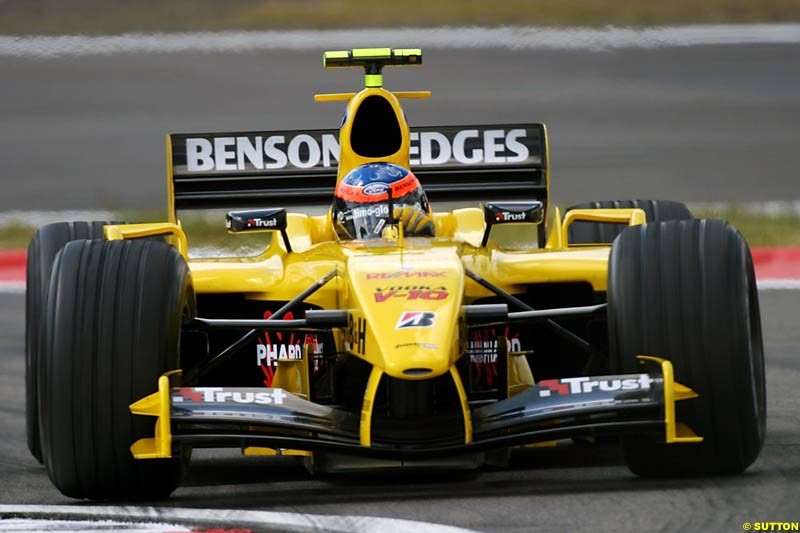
(45, 245)
(113, 326)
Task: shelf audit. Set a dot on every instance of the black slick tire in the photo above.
(601, 233)
(686, 291)
(44, 246)
(113, 326)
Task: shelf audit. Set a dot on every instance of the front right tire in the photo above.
(686, 291)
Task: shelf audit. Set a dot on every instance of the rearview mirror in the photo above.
(510, 213)
(258, 220)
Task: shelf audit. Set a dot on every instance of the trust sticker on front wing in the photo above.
(222, 395)
(586, 385)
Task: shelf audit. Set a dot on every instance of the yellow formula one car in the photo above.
(384, 334)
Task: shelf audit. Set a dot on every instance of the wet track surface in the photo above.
(574, 488)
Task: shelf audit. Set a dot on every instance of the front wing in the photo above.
(272, 417)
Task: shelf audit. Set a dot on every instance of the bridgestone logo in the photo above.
(304, 151)
(416, 319)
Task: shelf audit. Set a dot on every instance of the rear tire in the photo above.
(686, 291)
(44, 246)
(113, 326)
(602, 233)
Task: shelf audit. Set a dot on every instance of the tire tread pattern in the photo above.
(46, 243)
(114, 316)
(685, 290)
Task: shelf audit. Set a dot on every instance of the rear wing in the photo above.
(298, 168)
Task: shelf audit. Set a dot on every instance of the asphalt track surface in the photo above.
(570, 488)
(704, 123)
(711, 123)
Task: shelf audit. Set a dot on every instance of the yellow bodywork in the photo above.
(673, 392)
(429, 273)
(157, 404)
(349, 159)
(370, 272)
(140, 231)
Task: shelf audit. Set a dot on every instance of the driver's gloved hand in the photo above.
(415, 221)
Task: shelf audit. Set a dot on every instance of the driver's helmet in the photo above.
(361, 203)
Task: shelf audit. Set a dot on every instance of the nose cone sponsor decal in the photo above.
(416, 319)
(410, 292)
(406, 274)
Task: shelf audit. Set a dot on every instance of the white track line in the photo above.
(778, 284)
(471, 37)
(221, 518)
(86, 526)
(12, 287)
